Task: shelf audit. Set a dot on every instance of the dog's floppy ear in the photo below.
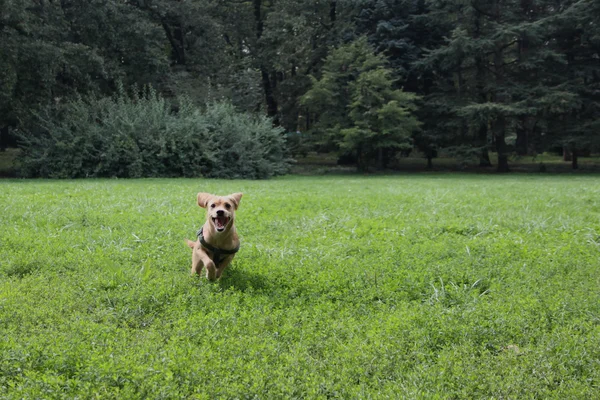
(235, 199)
(203, 199)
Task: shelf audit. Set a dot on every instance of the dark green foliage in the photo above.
(571, 114)
(509, 77)
(139, 136)
(391, 28)
(364, 114)
(241, 145)
(50, 51)
(514, 76)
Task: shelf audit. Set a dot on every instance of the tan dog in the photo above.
(217, 239)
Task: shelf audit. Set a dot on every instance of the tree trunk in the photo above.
(499, 125)
(179, 37)
(258, 18)
(332, 11)
(574, 162)
(566, 154)
(480, 83)
(429, 160)
(484, 156)
(359, 159)
(175, 38)
(269, 98)
(267, 84)
(503, 163)
(380, 161)
(522, 142)
(3, 138)
(484, 159)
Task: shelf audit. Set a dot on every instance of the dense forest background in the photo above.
(368, 80)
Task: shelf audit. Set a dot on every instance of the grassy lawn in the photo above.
(429, 286)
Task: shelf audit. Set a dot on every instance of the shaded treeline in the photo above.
(369, 79)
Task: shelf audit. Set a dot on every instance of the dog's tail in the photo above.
(190, 243)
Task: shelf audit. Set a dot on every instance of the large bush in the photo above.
(140, 136)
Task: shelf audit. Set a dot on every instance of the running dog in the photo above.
(217, 239)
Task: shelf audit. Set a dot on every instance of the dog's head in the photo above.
(220, 209)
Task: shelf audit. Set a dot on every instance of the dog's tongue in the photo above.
(221, 221)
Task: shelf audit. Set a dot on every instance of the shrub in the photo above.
(138, 135)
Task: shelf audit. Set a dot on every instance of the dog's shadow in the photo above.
(244, 281)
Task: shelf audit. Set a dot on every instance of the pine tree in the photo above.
(52, 51)
(572, 114)
(364, 115)
(382, 118)
(401, 30)
(502, 63)
(389, 27)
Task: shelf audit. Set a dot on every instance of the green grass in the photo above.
(428, 286)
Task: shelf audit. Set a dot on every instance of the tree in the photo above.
(390, 27)
(52, 51)
(296, 38)
(200, 62)
(356, 84)
(573, 113)
(510, 76)
(503, 64)
(383, 118)
(402, 30)
(278, 44)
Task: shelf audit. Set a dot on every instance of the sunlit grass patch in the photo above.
(447, 286)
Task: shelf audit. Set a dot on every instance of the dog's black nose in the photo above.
(220, 213)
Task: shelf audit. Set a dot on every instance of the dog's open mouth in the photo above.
(220, 222)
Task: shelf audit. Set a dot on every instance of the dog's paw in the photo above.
(211, 271)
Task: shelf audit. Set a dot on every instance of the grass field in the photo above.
(446, 286)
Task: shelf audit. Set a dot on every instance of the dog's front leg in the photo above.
(201, 259)
(211, 270)
(222, 265)
(196, 262)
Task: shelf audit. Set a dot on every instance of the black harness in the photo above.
(215, 250)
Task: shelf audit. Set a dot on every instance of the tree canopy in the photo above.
(369, 79)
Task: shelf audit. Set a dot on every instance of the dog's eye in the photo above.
(227, 206)
(213, 205)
